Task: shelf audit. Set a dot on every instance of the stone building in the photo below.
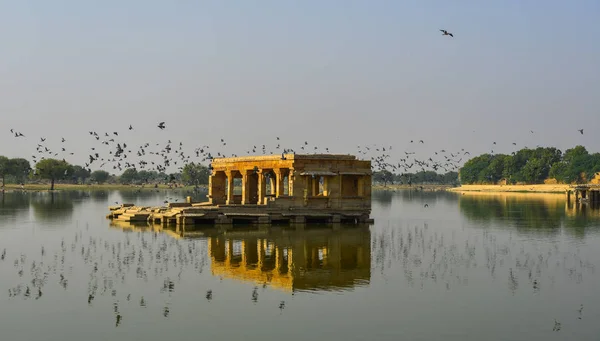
(318, 181)
(293, 188)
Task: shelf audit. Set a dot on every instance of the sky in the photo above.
(337, 74)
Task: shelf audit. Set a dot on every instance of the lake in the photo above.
(466, 267)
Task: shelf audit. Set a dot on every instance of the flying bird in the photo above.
(580, 130)
(446, 33)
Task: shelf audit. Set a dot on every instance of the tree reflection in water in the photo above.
(527, 211)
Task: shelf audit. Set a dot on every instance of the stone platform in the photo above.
(203, 213)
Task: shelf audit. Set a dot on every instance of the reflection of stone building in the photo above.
(310, 259)
(303, 260)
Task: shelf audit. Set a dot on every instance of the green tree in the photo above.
(533, 171)
(4, 167)
(99, 176)
(494, 171)
(80, 174)
(383, 176)
(574, 153)
(174, 177)
(130, 175)
(473, 170)
(558, 171)
(195, 174)
(450, 178)
(578, 163)
(19, 168)
(52, 169)
(144, 176)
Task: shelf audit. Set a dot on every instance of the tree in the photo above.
(144, 176)
(129, 176)
(558, 171)
(99, 176)
(4, 167)
(573, 153)
(52, 169)
(449, 178)
(472, 171)
(80, 174)
(19, 168)
(195, 174)
(533, 171)
(384, 176)
(174, 177)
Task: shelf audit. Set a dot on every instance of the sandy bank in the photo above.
(542, 188)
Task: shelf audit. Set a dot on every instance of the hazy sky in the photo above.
(336, 73)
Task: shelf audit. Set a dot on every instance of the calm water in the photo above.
(468, 267)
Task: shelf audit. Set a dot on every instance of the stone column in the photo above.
(278, 182)
(229, 188)
(291, 182)
(272, 185)
(245, 189)
(210, 189)
(262, 188)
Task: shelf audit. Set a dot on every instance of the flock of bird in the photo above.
(112, 152)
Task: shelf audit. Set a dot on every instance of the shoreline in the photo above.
(79, 187)
(411, 187)
(540, 188)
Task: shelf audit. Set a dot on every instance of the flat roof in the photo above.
(290, 156)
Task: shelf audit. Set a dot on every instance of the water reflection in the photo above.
(297, 260)
(384, 198)
(54, 206)
(288, 259)
(12, 204)
(99, 196)
(419, 273)
(546, 212)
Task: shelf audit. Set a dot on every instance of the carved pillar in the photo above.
(272, 185)
(262, 188)
(291, 179)
(210, 189)
(245, 189)
(229, 187)
(279, 185)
